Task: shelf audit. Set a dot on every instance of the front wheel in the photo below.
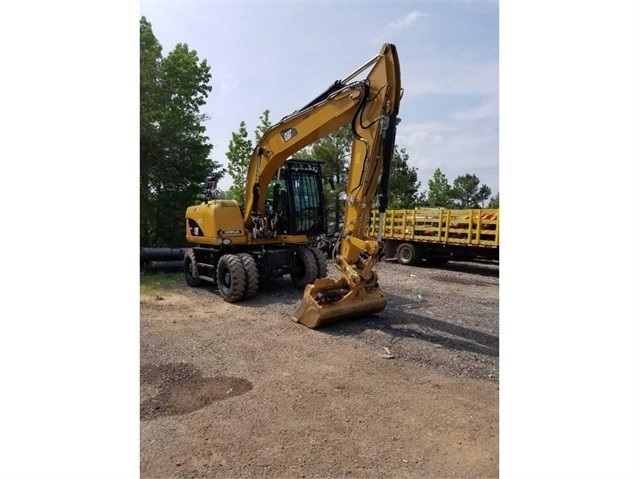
(252, 275)
(231, 278)
(320, 260)
(190, 269)
(305, 271)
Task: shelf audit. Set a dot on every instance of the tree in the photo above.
(483, 194)
(239, 156)
(403, 187)
(150, 141)
(332, 150)
(174, 151)
(494, 202)
(439, 190)
(468, 193)
(264, 125)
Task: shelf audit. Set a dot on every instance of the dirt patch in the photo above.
(240, 390)
(182, 390)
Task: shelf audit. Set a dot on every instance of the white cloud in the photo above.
(406, 21)
(397, 25)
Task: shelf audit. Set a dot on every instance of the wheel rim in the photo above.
(227, 278)
(405, 254)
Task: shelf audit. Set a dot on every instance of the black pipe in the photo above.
(164, 266)
(162, 254)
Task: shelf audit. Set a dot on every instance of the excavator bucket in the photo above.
(329, 301)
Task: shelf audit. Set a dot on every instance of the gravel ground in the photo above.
(240, 390)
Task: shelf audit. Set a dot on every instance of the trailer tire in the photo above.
(320, 260)
(305, 268)
(252, 274)
(231, 278)
(190, 269)
(408, 254)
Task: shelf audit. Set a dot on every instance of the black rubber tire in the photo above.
(231, 278)
(305, 268)
(325, 247)
(407, 254)
(320, 261)
(252, 275)
(190, 269)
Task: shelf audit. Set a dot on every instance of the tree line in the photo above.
(175, 152)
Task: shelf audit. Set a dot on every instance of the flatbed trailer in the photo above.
(439, 235)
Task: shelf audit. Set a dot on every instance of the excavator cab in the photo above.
(296, 199)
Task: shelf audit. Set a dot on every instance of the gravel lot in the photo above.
(240, 390)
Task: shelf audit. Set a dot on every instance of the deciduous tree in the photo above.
(403, 187)
(174, 150)
(439, 190)
(238, 156)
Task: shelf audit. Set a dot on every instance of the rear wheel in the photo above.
(231, 278)
(252, 274)
(320, 261)
(407, 254)
(190, 269)
(305, 268)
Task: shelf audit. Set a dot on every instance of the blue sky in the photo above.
(280, 55)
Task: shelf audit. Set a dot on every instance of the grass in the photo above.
(155, 283)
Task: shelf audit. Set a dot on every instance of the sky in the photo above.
(280, 55)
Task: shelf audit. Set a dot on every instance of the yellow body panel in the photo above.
(218, 220)
(214, 221)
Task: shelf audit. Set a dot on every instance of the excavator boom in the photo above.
(357, 292)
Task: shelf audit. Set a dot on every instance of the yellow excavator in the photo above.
(237, 246)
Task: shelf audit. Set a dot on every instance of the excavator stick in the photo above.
(330, 301)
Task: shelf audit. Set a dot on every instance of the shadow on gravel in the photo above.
(482, 269)
(399, 323)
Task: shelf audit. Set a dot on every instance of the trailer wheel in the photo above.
(407, 254)
(190, 269)
(252, 274)
(231, 278)
(305, 271)
(320, 260)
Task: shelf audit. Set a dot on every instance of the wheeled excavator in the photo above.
(237, 246)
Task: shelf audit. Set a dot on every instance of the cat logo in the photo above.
(288, 134)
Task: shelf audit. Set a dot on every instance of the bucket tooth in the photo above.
(328, 301)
